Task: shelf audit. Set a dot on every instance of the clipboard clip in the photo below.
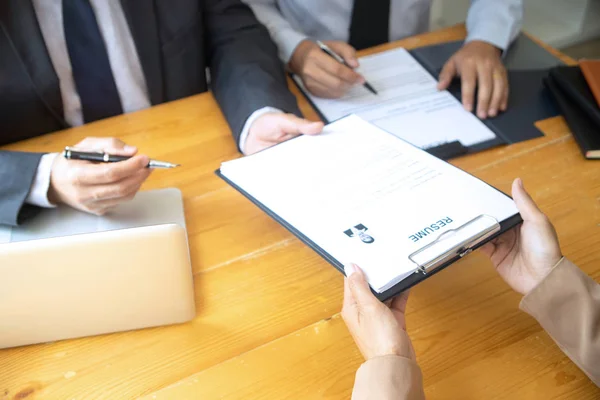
(455, 243)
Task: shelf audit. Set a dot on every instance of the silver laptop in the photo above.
(85, 275)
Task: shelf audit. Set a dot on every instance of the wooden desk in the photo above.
(268, 324)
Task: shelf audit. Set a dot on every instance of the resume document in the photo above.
(364, 196)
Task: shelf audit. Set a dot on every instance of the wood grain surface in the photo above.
(268, 324)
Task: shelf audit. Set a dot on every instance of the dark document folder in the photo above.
(578, 106)
(529, 101)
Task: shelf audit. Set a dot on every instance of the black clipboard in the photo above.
(426, 268)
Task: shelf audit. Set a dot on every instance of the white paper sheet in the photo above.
(408, 103)
(148, 208)
(364, 196)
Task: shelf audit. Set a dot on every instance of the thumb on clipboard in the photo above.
(378, 329)
(525, 255)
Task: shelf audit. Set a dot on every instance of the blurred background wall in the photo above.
(572, 26)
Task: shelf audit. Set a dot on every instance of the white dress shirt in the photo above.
(291, 21)
(125, 65)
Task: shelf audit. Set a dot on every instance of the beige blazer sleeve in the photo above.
(567, 305)
(389, 378)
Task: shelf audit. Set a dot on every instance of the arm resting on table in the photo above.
(495, 22)
(567, 305)
(245, 69)
(388, 378)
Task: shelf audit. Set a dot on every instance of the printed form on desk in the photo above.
(364, 196)
(408, 103)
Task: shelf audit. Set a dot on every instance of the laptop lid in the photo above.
(93, 283)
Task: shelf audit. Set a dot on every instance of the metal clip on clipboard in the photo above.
(455, 243)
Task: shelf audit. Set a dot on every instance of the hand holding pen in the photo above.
(104, 157)
(96, 187)
(331, 53)
(328, 74)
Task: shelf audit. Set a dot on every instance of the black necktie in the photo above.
(89, 62)
(370, 23)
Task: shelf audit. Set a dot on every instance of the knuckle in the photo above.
(88, 209)
(120, 191)
(73, 176)
(311, 85)
(353, 281)
(99, 211)
(80, 197)
(309, 70)
(79, 176)
(110, 174)
(339, 70)
(338, 85)
(96, 195)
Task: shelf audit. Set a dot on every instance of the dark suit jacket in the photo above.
(176, 41)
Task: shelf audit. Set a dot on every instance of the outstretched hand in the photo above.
(525, 255)
(378, 329)
(479, 65)
(275, 127)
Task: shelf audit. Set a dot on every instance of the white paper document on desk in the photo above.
(364, 196)
(408, 103)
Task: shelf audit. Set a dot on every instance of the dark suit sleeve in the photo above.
(17, 172)
(245, 70)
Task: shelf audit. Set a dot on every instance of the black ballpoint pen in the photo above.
(327, 50)
(71, 154)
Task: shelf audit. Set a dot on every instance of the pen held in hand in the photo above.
(327, 50)
(71, 154)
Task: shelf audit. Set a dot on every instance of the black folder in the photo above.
(529, 99)
(578, 106)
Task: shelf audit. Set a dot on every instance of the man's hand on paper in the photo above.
(275, 127)
(322, 75)
(524, 256)
(98, 187)
(378, 329)
(479, 65)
